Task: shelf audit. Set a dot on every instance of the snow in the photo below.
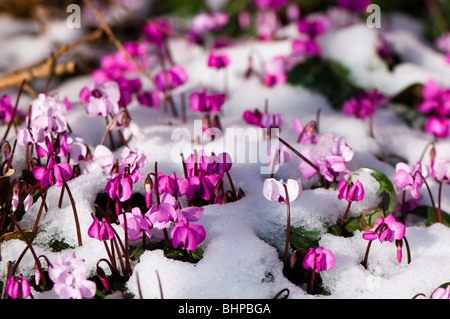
(245, 238)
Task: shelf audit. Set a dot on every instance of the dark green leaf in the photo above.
(198, 253)
(59, 245)
(428, 213)
(303, 239)
(325, 77)
(136, 252)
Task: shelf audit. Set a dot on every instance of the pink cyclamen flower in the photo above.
(275, 191)
(190, 214)
(137, 223)
(270, 4)
(156, 32)
(329, 155)
(267, 23)
(307, 134)
(17, 287)
(48, 114)
(170, 79)
(275, 71)
(69, 278)
(6, 108)
(263, 120)
(305, 47)
(120, 187)
(438, 126)
(319, 259)
(187, 236)
(354, 5)
(205, 22)
(117, 65)
(409, 176)
(101, 99)
(149, 98)
(100, 230)
(441, 293)
(164, 213)
(441, 170)
(351, 192)
(172, 185)
(443, 42)
(386, 229)
(201, 102)
(436, 104)
(54, 174)
(218, 61)
(60, 148)
(312, 27)
(363, 105)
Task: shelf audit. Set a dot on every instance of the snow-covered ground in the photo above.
(245, 239)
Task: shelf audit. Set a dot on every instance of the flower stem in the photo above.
(439, 203)
(288, 229)
(36, 223)
(299, 155)
(36, 259)
(75, 214)
(431, 196)
(14, 111)
(366, 256)
(345, 214)
(408, 251)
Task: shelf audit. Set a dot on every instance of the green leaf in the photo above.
(303, 239)
(325, 77)
(198, 253)
(59, 245)
(136, 252)
(411, 95)
(174, 254)
(386, 190)
(427, 212)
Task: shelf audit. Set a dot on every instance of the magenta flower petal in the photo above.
(370, 235)
(191, 214)
(94, 229)
(319, 259)
(187, 236)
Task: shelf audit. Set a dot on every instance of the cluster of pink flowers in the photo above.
(364, 105)
(329, 156)
(263, 120)
(436, 105)
(443, 45)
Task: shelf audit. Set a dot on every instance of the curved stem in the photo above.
(44, 196)
(408, 251)
(14, 111)
(345, 214)
(366, 256)
(439, 203)
(288, 229)
(74, 209)
(36, 259)
(429, 193)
